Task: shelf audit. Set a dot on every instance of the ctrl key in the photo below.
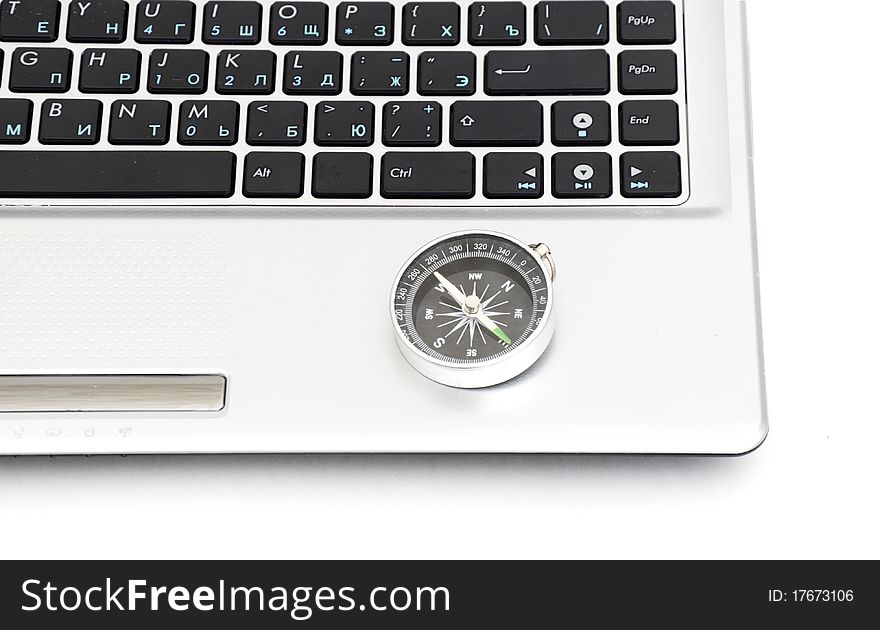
(651, 175)
(273, 174)
(423, 175)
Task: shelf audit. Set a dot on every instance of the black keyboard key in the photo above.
(582, 176)
(412, 124)
(298, 23)
(276, 123)
(70, 121)
(97, 21)
(15, 120)
(582, 22)
(273, 174)
(427, 175)
(40, 70)
(647, 175)
(447, 73)
(497, 24)
(536, 72)
(646, 22)
(497, 123)
(648, 72)
(344, 123)
(116, 174)
(313, 72)
(109, 71)
(29, 20)
(208, 122)
(380, 73)
(581, 123)
(232, 22)
(178, 71)
(649, 123)
(365, 23)
(165, 22)
(245, 72)
(139, 122)
(342, 175)
(431, 24)
(513, 176)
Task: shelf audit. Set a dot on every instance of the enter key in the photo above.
(540, 72)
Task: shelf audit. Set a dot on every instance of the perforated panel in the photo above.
(145, 296)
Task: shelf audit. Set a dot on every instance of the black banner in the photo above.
(427, 595)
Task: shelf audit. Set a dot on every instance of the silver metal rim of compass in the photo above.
(498, 370)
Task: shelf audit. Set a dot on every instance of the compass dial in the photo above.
(472, 300)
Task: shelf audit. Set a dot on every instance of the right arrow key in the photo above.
(650, 175)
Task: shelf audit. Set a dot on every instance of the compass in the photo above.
(474, 309)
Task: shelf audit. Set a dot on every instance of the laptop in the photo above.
(377, 227)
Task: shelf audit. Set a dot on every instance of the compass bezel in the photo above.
(496, 370)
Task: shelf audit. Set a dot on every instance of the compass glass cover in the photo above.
(504, 289)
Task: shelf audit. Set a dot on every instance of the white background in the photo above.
(810, 492)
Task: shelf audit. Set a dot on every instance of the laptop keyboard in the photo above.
(559, 103)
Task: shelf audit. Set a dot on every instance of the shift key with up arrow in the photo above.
(497, 123)
(543, 72)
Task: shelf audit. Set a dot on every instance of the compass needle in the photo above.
(494, 328)
(453, 290)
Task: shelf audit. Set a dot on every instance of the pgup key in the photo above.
(646, 22)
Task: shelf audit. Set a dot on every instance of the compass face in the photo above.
(471, 299)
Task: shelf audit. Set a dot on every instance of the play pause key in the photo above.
(656, 174)
(581, 175)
